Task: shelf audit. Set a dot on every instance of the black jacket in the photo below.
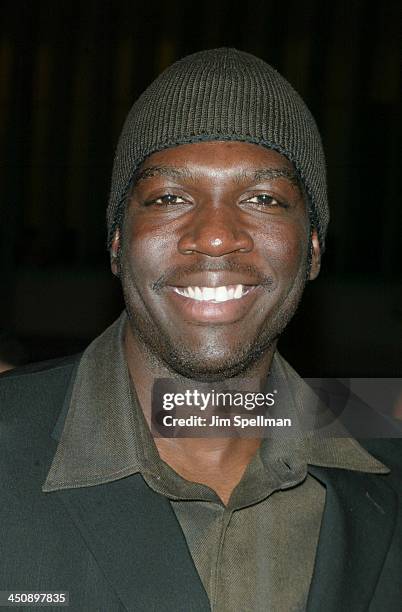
(118, 546)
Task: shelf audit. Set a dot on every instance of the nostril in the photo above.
(214, 239)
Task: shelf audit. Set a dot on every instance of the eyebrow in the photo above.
(254, 176)
(169, 171)
(268, 174)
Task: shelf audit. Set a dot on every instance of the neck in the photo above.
(216, 462)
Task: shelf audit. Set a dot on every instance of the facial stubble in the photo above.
(206, 363)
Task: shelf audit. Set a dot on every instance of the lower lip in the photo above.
(213, 312)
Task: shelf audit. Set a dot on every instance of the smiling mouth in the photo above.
(214, 295)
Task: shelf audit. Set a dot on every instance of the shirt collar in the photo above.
(103, 435)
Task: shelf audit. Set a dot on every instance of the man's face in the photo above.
(214, 255)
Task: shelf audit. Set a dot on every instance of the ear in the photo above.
(114, 253)
(315, 256)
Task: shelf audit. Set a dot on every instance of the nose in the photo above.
(215, 231)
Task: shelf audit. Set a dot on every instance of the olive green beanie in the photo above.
(221, 94)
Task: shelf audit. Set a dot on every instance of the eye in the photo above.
(264, 200)
(166, 200)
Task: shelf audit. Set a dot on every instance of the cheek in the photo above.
(286, 246)
(145, 248)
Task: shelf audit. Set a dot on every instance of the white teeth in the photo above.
(208, 293)
(238, 292)
(198, 294)
(215, 294)
(221, 294)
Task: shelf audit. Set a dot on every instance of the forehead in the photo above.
(220, 157)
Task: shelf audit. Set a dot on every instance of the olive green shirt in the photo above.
(255, 554)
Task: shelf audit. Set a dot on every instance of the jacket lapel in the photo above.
(356, 532)
(138, 543)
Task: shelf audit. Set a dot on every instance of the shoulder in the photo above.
(35, 391)
(41, 367)
(31, 400)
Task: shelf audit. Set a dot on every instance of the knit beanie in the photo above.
(221, 94)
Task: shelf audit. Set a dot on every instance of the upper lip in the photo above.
(213, 279)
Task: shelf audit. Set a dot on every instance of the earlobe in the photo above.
(315, 256)
(114, 253)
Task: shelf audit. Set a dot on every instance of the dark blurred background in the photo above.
(69, 72)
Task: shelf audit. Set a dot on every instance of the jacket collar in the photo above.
(356, 531)
(138, 544)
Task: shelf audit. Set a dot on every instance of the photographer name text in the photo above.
(229, 421)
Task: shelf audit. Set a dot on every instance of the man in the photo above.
(217, 219)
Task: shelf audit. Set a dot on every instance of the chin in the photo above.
(206, 367)
(206, 372)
